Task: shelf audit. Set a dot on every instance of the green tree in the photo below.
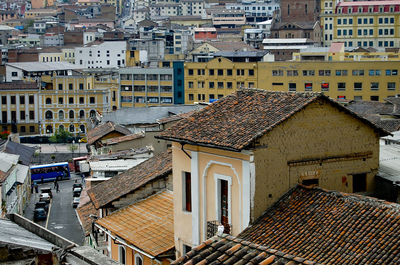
(60, 136)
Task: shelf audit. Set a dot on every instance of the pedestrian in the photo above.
(55, 183)
(41, 179)
(32, 188)
(57, 187)
(36, 188)
(82, 178)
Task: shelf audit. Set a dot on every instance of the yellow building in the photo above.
(358, 80)
(205, 82)
(39, 12)
(361, 23)
(141, 87)
(235, 158)
(69, 102)
(20, 107)
(51, 54)
(68, 54)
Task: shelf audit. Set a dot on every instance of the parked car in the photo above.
(44, 197)
(47, 190)
(77, 192)
(39, 214)
(43, 205)
(75, 202)
(76, 185)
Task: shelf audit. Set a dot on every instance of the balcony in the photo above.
(212, 228)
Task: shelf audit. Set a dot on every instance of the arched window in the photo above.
(71, 128)
(122, 255)
(71, 114)
(61, 128)
(92, 113)
(138, 259)
(81, 114)
(49, 129)
(48, 100)
(61, 115)
(82, 128)
(49, 115)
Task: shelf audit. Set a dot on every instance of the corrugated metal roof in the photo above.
(14, 234)
(41, 66)
(114, 165)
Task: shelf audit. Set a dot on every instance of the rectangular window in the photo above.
(251, 72)
(325, 86)
(220, 85)
(22, 100)
(358, 72)
(360, 182)
(229, 85)
(60, 87)
(229, 72)
(308, 72)
(187, 191)
(190, 84)
(374, 86)
(31, 115)
(341, 72)
(292, 86)
(22, 115)
(220, 72)
(191, 97)
(357, 86)
(341, 86)
(240, 72)
(31, 128)
(308, 86)
(211, 84)
(71, 100)
(277, 72)
(374, 98)
(292, 73)
(211, 72)
(391, 86)
(324, 72)
(14, 73)
(92, 100)
(70, 86)
(80, 86)
(13, 99)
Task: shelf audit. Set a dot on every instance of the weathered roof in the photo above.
(330, 227)
(233, 122)
(147, 224)
(229, 250)
(15, 235)
(128, 181)
(129, 116)
(25, 152)
(19, 85)
(84, 212)
(124, 138)
(104, 129)
(43, 66)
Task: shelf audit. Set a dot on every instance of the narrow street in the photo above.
(62, 218)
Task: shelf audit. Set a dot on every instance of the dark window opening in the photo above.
(360, 182)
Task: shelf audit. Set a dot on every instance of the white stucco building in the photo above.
(109, 54)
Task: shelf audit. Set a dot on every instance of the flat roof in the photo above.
(44, 66)
(288, 41)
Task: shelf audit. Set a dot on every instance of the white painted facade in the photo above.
(109, 54)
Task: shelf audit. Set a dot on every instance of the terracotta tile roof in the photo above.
(330, 227)
(84, 212)
(229, 250)
(155, 167)
(104, 129)
(147, 224)
(124, 138)
(233, 122)
(19, 85)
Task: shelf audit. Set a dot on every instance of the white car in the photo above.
(44, 197)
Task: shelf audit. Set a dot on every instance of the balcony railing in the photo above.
(212, 228)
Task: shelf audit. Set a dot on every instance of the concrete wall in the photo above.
(312, 136)
(144, 192)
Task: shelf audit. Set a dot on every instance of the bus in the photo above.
(50, 172)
